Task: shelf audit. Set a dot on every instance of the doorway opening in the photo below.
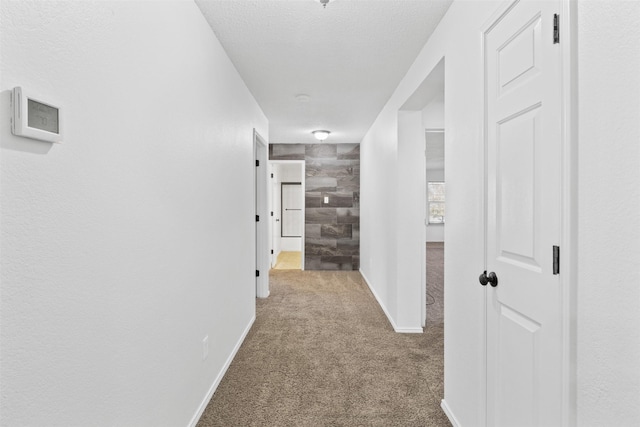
(421, 124)
(435, 223)
(287, 214)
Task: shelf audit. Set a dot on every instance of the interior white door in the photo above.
(524, 310)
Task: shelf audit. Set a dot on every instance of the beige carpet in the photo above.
(435, 282)
(322, 353)
(289, 261)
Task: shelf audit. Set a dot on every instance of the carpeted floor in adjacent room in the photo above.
(322, 353)
(435, 282)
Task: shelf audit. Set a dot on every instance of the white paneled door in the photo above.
(524, 160)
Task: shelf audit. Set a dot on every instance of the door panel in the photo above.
(517, 190)
(518, 57)
(524, 316)
(518, 336)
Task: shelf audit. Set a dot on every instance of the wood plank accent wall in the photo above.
(332, 230)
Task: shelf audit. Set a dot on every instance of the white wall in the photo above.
(291, 172)
(119, 248)
(433, 115)
(609, 226)
(291, 244)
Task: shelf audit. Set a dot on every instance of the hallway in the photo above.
(132, 253)
(322, 352)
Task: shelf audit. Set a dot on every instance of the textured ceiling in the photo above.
(348, 58)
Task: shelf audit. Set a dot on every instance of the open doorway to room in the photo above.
(287, 214)
(421, 151)
(435, 222)
(421, 198)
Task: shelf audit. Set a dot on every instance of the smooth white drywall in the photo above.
(291, 244)
(291, 172)
(384, 167)
(433, 115)
(128, 244)
(435, 233)
(608, 349)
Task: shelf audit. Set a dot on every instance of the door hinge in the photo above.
(257, 218)
(556, 260)
(271, 175)
(556, 28)
(257, 163)
(271, 213)
(271, 251)
(257, 273)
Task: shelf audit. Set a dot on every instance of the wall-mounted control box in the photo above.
(33, 118)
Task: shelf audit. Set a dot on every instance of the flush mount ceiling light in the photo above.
(324, 2)
(321, 135)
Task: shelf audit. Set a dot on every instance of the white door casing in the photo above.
(275, 215)
(261, 203)
(523, 96)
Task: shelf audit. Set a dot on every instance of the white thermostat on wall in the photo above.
(34, 118)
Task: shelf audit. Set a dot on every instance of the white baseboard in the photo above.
(417, 330)
(223, 371)
(396, 328)
(380, 303)
(452, 419)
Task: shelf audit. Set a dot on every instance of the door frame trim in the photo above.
(569, 198)
(260, 193)
(569, 239)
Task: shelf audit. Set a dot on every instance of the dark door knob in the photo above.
(483, 279)
(488, 278)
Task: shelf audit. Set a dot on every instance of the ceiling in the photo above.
(345, 60)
